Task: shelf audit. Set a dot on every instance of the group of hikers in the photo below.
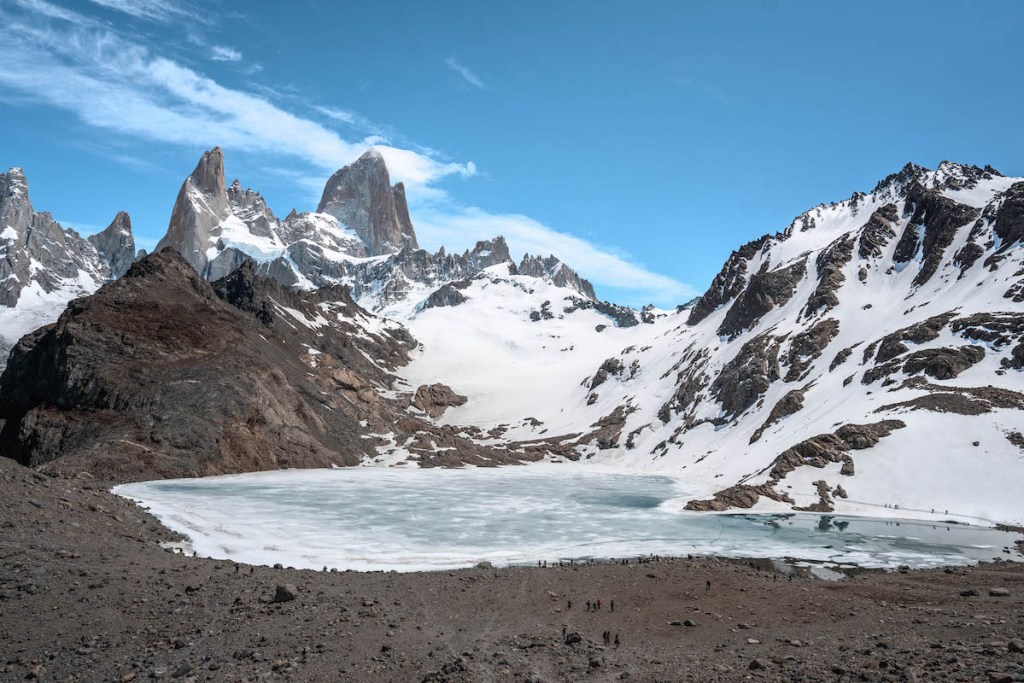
(592, 605)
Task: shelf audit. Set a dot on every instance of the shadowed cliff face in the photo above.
(161, 374)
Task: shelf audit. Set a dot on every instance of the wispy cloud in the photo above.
(111, 82)
(220, 53)
(48, 9)
(153, 10)
(356, 122)
(465, 72)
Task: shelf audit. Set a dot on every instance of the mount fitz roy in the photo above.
(361, 236)
(869, 355)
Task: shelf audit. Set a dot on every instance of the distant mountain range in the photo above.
(869, 355)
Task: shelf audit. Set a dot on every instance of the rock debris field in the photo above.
(88, 594)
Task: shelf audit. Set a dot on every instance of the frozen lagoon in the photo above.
(409, 520)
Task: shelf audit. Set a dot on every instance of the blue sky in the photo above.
(640, 142)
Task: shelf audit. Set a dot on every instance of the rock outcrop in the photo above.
(554, 269)
(362, 198)
(434, 399)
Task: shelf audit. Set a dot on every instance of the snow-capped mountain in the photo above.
(43, 265)
(870, 354)
(361, 235)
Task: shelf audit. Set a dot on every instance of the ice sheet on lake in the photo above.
(372, 519)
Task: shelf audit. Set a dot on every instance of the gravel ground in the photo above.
(87, 594)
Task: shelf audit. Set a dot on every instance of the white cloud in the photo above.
(153, 10)
(342, 115)
(48, 9)
(113, 83)
(465, 72)
(221, 53)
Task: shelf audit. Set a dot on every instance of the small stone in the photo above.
(1015, 646)
(999, 592)
(753, 641)
(484, 565)
(690, 623)
(573, 638)
(128, 677)
(999, 677)
(286, 592)
(757, 664)
(34, 503)
(970, 593)
(596, 663)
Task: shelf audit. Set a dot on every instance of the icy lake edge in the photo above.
(503, 517)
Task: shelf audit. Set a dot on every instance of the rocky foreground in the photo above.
(87, 594)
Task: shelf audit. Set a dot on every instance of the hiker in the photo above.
(588, 605)
(613, 605)
(616, 640)
(598, 605)
(569, 606)
(709, 584)
(563, 634)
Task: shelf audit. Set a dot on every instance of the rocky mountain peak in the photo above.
(200, 208)
(15, 206)
(116, 244)
(905, 176)
(13, 184)
(362, 198)
(208, 176)
(554, 269)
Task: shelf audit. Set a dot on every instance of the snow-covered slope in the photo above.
(43, 265)
(900, 312)
(517, 345)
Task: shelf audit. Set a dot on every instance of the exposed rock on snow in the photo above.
(434, 399)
